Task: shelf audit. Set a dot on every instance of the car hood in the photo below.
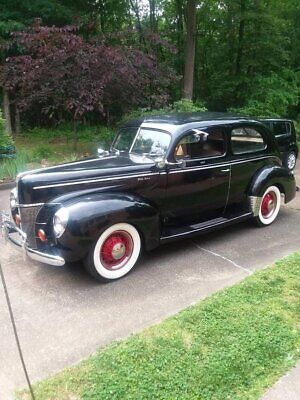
(47, 183)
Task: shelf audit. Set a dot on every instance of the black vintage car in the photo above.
(285, 135)
(164, 178)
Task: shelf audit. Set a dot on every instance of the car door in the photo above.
(198, 181)
(248, 153)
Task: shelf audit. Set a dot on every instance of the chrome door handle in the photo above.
(225, 170)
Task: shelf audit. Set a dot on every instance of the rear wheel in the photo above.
(290, 160)
(269, 206)
(115, 253)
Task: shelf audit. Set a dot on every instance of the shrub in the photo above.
(105, 137)
(185, 105)
(10, 168)
(273, 95)
(42, 152)
(7, 149)
(182, 105)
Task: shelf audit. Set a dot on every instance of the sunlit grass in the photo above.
(232, 345)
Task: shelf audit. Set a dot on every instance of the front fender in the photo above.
(273, 175)
(91, 214)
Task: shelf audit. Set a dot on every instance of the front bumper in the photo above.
(8, 229)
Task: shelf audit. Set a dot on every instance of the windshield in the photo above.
(143, 141)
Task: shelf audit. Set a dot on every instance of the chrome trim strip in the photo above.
(229, 187)
(234, 162)
(121, 177)
(113, 178)
(206, 227)
(29, 205)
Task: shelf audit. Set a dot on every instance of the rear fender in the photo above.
(271, 176)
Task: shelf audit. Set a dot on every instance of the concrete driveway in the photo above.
(63, 315)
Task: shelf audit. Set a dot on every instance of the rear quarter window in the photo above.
(246, 140)
(281, 128)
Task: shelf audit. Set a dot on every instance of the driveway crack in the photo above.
(248, 271)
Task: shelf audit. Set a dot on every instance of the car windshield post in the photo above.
(133, 142)
(124, 139)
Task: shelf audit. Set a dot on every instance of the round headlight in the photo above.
(60, 221)
(13, 198)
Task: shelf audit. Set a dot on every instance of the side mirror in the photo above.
(181, 163)
(160, 162)
(102, 153)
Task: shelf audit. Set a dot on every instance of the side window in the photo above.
(199, 144)
(281, 128)
(246, 140)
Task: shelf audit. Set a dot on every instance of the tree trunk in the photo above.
(231, 37)
(179, 31)
(239, 55)
(136, 10)
(17, 121)
(75, 136)
(152, 8)
(188, 79)
(7, 115)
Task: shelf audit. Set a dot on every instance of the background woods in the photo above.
(85, 66)
(91, 62)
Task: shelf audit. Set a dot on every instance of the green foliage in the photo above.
(9, 168)
(4, 138)
(232, 345)
(185, 105)
(182, 105)
(273, 95)
(42, 147)
(42, 152)
(247, 53)
(97, 134)
(105, 137)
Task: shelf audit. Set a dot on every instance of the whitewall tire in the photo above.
(115, 253)
(269, 206)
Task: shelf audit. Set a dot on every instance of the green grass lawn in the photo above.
(233, 345)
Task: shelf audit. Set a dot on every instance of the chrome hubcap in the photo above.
(118, 251)
(291, 161)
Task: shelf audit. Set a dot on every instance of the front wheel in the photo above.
(115, 253)
(269, 206)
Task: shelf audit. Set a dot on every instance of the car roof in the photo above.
(185, 118)
(176, 123)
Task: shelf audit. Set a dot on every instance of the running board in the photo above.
(195, 229)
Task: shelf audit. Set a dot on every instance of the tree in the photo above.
(189, 66)
(62, 75)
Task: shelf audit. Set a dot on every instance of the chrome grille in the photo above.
(28, 218)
